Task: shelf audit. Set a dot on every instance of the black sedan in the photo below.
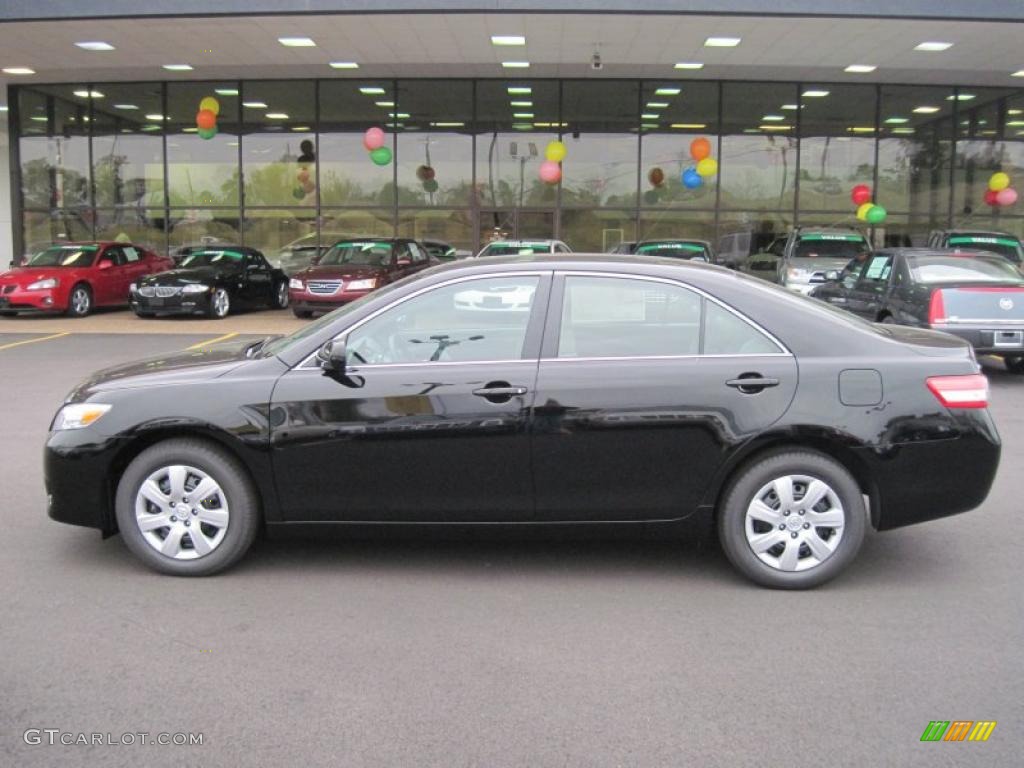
(614, 390)
(212, 281)
(976, 296)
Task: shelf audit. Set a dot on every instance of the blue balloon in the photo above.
(692, 179)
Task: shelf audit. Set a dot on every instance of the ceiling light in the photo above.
(150, 127)
(1018, 73)
(960, 97)
(448, 125)
(38, 118)
(508, 40)
(125, 106)
(722, 42)
(297, 42)
(344, 65)
(300, 128)
(520, 103)
(384, 103)
(1015, 111)
(190, 129)
(903, 130)
(277, 115)
(523, 115)
(773, 118)
(933, 46)
(522, 126)
(95, 46)
(372, 90)
(667, 92)
(226, 91)
(3, 107)
(515, 64)
(399, 115)
(690, 126)
(254, 104)
(657, 104)
(650, 116)
(896, 120)
(792, 106)
(519, 90)
(19, 71)
(860, 69)
(926, 110)
(815, 94)
(689, 65)
(87, 94)
(178, 67)
(154, 116)
(775, 127)
(649, 126)
(1015, 123)
(861, 129)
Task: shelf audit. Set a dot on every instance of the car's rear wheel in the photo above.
(792, 520)
(302, 314)
(1014, 363)
(281, 296)
(80, 301)
(187, 508)
(220, 304)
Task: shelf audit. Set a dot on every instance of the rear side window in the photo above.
(949, 269)
(729, 334)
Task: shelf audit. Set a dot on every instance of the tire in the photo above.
(280, 298)
(140, 313)
(888, 320)
(7, 313)
(220, 304)
(1014, 363)
(79, 301)
(790, 563)
(234, 503)
(302, 314)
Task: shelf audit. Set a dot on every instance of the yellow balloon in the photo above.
(707, 167)
(998, 181)
(555, 152)
(862, 210)
(211, 104)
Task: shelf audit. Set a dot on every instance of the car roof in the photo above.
(982, 232)
(924, 251)
(829, 231)
(674, 240)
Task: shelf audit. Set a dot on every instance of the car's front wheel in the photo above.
(220, 303)
(187, 508)
(302, 314)
(1014, 363)
(80, 301)
(281, 296)
(792, 520)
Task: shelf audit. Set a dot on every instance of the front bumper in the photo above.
(802, 288)
(21, 300)
(185, 304)
(304, 301)
(76, 472)
(994, 339)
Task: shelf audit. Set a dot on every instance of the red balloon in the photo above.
(656, 176)
(860, 194)
(991, 196)
(700, 148)
(206, 119)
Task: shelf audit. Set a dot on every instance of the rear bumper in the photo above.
(990, 339)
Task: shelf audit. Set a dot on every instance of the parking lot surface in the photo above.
(484, 648)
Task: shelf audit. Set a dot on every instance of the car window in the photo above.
(130, 254)
(254, 260)
(940, 268)
(728, 334)
(114, 255)
(875, 272)
(470, 321)
(830, 246)
(619, 317)
(1005, 246)
(418, 254)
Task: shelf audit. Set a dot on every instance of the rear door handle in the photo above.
(752, 383)
(499, 391)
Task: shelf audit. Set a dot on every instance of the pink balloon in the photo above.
(373, 139)
(550, 172)
(1006, 196)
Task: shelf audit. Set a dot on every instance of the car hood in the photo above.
(340, 272)
(176, 277)
(26, 275)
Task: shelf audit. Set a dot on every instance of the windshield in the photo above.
(212, 258)
(367, 253)
(677, 250)
(1007, 247)
(65, 256)
(515, 249)
(963, 269)
(830, 247)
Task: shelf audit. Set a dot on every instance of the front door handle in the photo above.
(499, 391)
(752, 383)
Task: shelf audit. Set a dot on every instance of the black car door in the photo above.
(640, 396)
(869, 294)
(258, 283)
(430, 422)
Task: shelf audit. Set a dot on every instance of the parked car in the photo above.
(440, 250)
(765, 264)
(178, 253)
(626, 246)
(1002, 243)
(694, 250)
(306, 250)
(353, 268)
(976, 296)
(628, 391)
(212, 282)
(810, 254)
(523, 248)
(74, 278)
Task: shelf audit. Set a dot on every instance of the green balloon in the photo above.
(381, 156)
(298, 193)
(207, 133)
(430, 186)
(876, 214)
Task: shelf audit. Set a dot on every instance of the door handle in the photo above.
(752, 383)
(499, 392)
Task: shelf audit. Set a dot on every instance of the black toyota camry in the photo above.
(592, 389)
(212, 281)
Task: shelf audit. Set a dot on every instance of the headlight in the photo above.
(296, 284)
(795, 272)
(134, 287)
(363, 285)
(39, 285)
(79, 415)
(195, 288)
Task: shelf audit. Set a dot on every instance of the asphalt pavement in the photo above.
(486, 649)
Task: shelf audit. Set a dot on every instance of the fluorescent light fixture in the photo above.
(861, 129)
(154, 116)
(903, 130)
(515, 64)
(860, 69)
(344, 65)
(277, 115)
(775, 127)
(649, 116)
(3, 107)
(1015, 111)
(508, 40)
(453, 124)
(384, 103)
(297, 42)
(226, 91)
(751, 130)
(300, 128)
(722, 42)
(815, 94)
(399, 115)
(19, 70)
(192, 129)
(960, 97)
(689, 65)
(150, 127)
(1015, 123)
(792, 106)
(523, 115)
(896, 120)
(372, 90)
(519, 90)
(87, 94)
(254, 104)
(126, 107)
(1018, 73)
(520, 103)
(522, 126)
(649, 126)
(926, 110)
(773, 118)
(690, 126)
(96, 45)
(178, 67)
(932, 45)
(38, 118)
(667, 92)
(657, 104)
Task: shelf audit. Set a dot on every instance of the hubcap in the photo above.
(282, 295)
(80, 301)
(181, 512)
(220, 302)
(794, 523)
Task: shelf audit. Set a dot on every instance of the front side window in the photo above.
(470, 321)
(130, 254)
(876, 271)
(64, 256)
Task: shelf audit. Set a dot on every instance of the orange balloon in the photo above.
(206, 119)
(700, 148)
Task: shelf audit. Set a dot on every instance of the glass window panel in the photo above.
(43, 228)
(201, 172)
(669, 224)
(54, 146)
(200, 227)
(837, 144)
(727, 334)
(757, 169)
(358, 221)
(597, 230)
(272, 231)
(680, 118)
(740, 235)
(127, 148)
(454, 227)
(990, 138)
(140, 226)
(601, 142)
(279, 143)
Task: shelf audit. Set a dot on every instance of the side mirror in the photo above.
(832, 276)
(331, 357)
(105, 264)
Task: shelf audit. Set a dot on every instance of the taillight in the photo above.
(968, 391)
(936, 308)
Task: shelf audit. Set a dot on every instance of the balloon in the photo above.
(308, 186)
(298, 193)
(860, 194)
(210, 104)
(550, 170)
(555, 152)
(876, 214)
(207, 133)
(707, 167)
(381, 156)
(991, 197)
(691, 179)
(700, 148)
(421, 173)
(1006, 196)
(651, 196)
(430, 186)
(656, 176)
(303, 176)
(999, 181)
(206, 119)
(862, 210)
(373, 139)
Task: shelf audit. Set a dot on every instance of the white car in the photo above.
(523, 248)
(512, 298)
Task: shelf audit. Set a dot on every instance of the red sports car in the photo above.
(76, 277)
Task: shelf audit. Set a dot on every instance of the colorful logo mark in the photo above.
(958, 730)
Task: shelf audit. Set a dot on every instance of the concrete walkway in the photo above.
(122, 321)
